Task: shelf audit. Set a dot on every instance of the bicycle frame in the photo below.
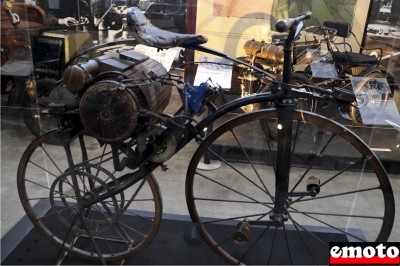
(285, 104)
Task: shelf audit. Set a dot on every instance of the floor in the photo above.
(15, 137)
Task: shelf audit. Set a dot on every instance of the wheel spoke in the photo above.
(333, 227)
(327, 181)
(233, 218)
(42, 168)
(295, 223)
(287, 244)
(265, 129)
(55, 212)
(238, 171)
(305, 242)
(337, 214)
(272, 246)
(231, 189)
(131, 212)
(340, 194)
(267, 204)
(254, 244)
(252, 166)
(312, 163)
(50, 158)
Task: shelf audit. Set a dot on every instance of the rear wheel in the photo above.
(334, 178)
(54, 197)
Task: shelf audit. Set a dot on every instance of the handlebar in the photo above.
(317, 92)
(286, 24)
(325, 95)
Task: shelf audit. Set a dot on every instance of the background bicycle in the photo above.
(323, 56)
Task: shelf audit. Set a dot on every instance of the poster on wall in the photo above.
(228, 24)
(242, 9)
(323, 10)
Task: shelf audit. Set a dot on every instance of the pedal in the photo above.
(313, 186)
(242, 234)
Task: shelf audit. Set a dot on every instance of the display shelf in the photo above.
(177, 243)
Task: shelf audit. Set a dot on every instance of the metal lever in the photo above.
(14, 18)
(105, 14)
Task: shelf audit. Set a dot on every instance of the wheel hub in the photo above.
(69, 206)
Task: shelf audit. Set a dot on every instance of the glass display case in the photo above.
(272, 128)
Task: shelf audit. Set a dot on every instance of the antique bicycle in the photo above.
(96, 196)
(345, 64)
(320, 59)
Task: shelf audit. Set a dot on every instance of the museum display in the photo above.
(277, 130)
(330, 68)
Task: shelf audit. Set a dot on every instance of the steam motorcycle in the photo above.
(96, 196)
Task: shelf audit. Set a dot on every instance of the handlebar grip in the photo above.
(285, 24)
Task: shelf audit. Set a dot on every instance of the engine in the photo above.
(271, 52)
(116, 88)
(267, 56)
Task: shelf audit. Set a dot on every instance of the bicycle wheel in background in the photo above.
(369, 91)
(116, 227)
(338, 191)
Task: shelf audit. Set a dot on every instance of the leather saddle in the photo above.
(150, 35)
(355, 59)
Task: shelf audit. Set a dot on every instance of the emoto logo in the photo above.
(364, 253)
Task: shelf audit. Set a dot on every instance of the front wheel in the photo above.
(334, 178)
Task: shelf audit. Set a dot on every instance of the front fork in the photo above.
(285, 108)
(284, 156)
